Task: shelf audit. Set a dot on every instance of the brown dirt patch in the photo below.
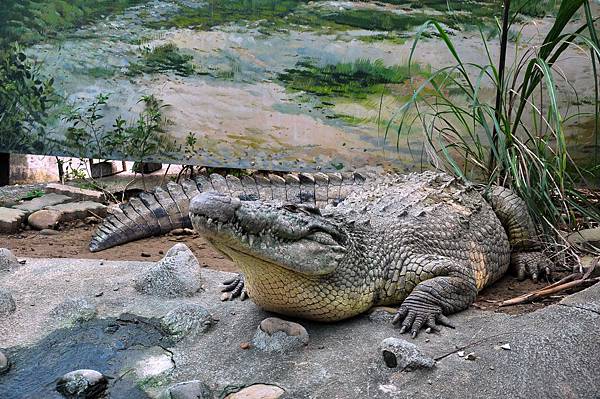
(72, 242)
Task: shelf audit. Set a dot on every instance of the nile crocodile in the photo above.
(425, 241)
(329, 246)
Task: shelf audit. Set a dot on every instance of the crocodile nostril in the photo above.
(215, 206)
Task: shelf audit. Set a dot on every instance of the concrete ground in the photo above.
(553, 352)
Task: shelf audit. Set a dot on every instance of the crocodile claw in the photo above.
(532, 264)
(235, 286)
(413, 318)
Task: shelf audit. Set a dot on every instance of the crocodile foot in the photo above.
(235, 287)
(415, 316)
(532, 264)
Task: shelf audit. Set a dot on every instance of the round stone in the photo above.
(44, 219)
(4, 363)
(7, 303)
(277, 335)
(401, 354)
(88, 384)
(258, 391)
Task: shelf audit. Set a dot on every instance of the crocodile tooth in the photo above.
(219, 226)
(245, 238)
(209, 221)
(251, 241)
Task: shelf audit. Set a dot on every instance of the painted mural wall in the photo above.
(262, 84)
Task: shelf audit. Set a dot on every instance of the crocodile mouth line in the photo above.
(236, 229)
(232, 237)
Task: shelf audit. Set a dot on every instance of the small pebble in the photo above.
(426, 339)
(161, 252)
(429, 382)
(491, 367)
(145, 255)
(470, 356)
(461, 353)
(225, 296)
(82, 384)
(506, 347)
(245, 345)
(99, 294)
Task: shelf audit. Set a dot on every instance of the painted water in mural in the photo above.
(262, 84)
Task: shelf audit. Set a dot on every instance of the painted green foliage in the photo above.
(31, 20)
(351, 80)
(164, 58)
(25, 98)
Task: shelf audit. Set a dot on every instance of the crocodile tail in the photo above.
(162, 210)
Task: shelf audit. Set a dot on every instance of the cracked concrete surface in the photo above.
(554, 352)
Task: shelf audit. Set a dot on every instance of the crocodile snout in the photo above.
(214, 206)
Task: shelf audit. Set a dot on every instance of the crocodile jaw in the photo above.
(299, 242)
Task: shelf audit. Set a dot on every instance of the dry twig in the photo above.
(568, 282)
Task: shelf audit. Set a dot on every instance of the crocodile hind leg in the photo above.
(526, 260)
(451, 288)
(531, 264)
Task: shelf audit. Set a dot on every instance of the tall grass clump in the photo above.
(517, 137)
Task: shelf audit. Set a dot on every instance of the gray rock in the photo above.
(187, 320)
(73, 311)
(82, 384)
(188, 390)
(7, 303)
(403, 355)
(42, 202)
(11, 219)
(8, 261)
(4, 363)
(79, 210)
(585, 236)
(44, 219)
(277, 335)
(76, 193)
(175, 275)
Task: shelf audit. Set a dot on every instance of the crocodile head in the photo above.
(294, 259)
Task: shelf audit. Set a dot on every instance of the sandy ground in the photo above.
(72, 242)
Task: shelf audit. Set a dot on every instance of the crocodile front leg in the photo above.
(451, 289)
(236, 287)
